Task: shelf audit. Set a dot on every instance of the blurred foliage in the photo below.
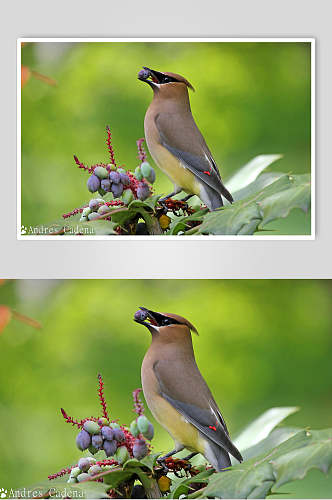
(251, 99)
(262, 343)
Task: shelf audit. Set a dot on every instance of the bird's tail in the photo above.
(213, 199)
(217, 456)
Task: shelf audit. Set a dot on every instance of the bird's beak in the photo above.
(150, 76)
(150, 319)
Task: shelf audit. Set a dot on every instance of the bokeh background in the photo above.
(250, 99)
(262, 343)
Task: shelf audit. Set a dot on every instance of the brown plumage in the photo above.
(177, 394)
(175, 142)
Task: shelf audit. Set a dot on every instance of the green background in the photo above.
(262, 343)
(250, 99)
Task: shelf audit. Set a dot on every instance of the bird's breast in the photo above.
(177, 172)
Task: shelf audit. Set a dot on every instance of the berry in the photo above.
(93, 205)
(133, 426)
(164, 221)
(121, 455)
(119, 435)
(114, 425)
(95, 469)
(143, 191)
(83, 219)
(82, 477)
(104, 209)
(149, 433)
(124, 179)
(75, 472)
(115, 177)
(86, 211)
(93, 183)
(71, 480)
(107, 433)
(146, 169)
(110, 447)
(117, 190)
(127, 196)
(97, 441)
(143, 75)
(93, 215)
(106, 185)
(141, 316)
(83, 464)
(91, 427)
(152, 176)
(138, 174)
(142, 424)
(83, 440)
(102, 421)
(140, 450)
(101, 172)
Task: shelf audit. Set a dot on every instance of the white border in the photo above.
(167, 238)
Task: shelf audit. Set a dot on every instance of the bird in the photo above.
(175, 142)
(177, 394)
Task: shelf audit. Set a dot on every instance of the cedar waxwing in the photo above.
(175, 142)
(177, 394)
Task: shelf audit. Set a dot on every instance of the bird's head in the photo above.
(164, 325)
(166, 85)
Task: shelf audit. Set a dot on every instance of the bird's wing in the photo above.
(188, 393)
(190, 147)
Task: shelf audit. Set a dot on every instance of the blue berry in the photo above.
(93, 183)
(97, 441)
(115, 177)
(140, 315)
(84, 464)
(143, 191)
(93, 205)
(124, 179)
(106, 185)
(117, 190)
(140, 450)
(119, 435)
(149, 433)
(82, 477)
(110, 447)
(142, 424)
(91, 427)
(107, 432)
(95, 469)
(83, 440)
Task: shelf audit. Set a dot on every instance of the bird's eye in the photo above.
(166, 79)
(166, 322)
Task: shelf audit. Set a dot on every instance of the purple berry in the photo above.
(93, 205)
(115, 177)
(83, 440)
(125, 179)
(117, 190)
(143, 74)
(106, 185)
(97, 441)
(84, 464)
(140, 315)
(143, 191)
(119, 435)
(93, 183)
(110, 447)
(107, 433)
(140, 450)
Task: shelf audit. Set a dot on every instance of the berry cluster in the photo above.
(118, 442)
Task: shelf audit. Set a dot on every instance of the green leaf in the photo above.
(254, 212)
(179, 223)
(277, 436)
(289, 461)
(117, 476)
(249, 173)
(261, 182)
(261, 427)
